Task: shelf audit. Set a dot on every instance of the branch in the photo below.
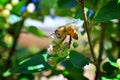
(102, 36)
(101, 46)
(12, 50)
(87, 29)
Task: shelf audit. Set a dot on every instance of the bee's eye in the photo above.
(57, 34)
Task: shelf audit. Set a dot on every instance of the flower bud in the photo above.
(118, 63)
(62, 52)
(75, 44)
(52, 61)
(14, 2)
(5, 13)
(8, 7)
(30, 7)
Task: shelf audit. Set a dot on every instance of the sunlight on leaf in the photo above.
(33, 64)
(45, 57)
(7, 73)
(118, 76)
(118, 1)
(113, 64)
(24, 78)
(108, 45)
(86, 10)
(39, 67)
(24, 61)
(104, 78)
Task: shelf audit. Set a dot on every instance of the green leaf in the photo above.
(72, 72)
(110, 56)
(118, 76)
(17, 8)
(113, 64)
(48, 3)
(25, 77)
(68, 12)
(78, 59)
(35, 31)
(91, 4)
(110, 70)
(109, 11)
(118, 1)
(3, 2)
(67, 3)
(36, 63)
(78, 14)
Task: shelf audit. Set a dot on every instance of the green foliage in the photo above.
(50, 4)
(17, 8)
(78, 14)
(3, 2)
(110, 56)
(91, 4)
(35, 31)
(67, 3)
(78, 59)
(111, 8)
(36, 63)
(110, 71)
(22, 61)
(74, 73)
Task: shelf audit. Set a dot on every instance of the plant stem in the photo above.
(87, 29)
(12, 50)
(102, 36)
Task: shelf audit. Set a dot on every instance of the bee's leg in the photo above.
(70, 40)
(63, 39)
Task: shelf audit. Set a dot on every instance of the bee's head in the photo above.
(60, 32)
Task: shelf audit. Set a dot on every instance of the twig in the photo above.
(102, 36)
(87, 29)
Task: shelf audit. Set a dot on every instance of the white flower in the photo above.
(50, 49)
(118, 63)
(30, 7)
(58, 77)
(89, 71)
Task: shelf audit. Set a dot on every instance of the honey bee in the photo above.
(69, 29)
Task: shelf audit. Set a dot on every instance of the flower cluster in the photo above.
(57, 50)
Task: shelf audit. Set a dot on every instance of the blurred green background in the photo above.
(25, 28)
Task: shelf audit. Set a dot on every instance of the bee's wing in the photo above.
(77, 25)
